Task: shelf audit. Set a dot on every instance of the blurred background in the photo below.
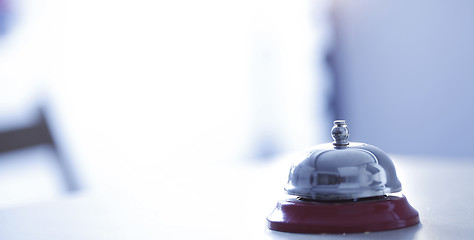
(101, 94)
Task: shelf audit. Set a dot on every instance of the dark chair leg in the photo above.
(39, 134)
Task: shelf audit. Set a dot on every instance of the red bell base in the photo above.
(300, 216)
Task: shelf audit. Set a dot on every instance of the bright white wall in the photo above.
(141, 84)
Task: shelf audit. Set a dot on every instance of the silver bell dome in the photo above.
(343, 170)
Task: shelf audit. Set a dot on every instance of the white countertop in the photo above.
(231, 202)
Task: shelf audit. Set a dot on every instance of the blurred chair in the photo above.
(38, 133)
